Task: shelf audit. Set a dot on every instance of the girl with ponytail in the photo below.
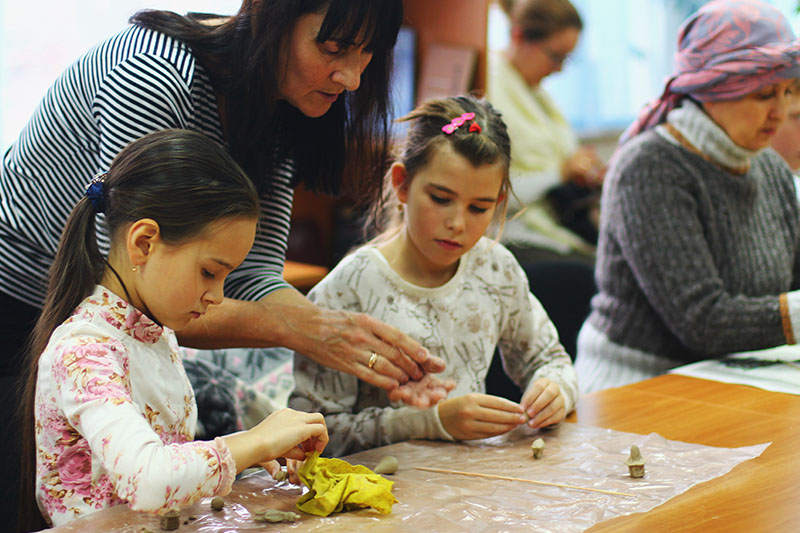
(109, 413)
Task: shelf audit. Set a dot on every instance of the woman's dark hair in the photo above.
(489, 145)
(179, 178)
(336, 152)
(539, 19)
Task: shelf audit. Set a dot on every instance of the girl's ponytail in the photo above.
(77, 268)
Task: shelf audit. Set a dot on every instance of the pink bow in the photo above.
(458, 122)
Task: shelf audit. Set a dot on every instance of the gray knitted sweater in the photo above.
(692, 258)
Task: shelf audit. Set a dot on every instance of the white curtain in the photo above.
(40, 38)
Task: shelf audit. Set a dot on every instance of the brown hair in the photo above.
(179, 178)
(539, 19)
(425, 136)
(244, 56)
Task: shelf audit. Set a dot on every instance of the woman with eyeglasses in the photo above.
(555, 177)
(551, 229)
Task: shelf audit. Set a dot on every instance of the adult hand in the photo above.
(543, 403)
(346, 341)
(424, 393)
(477, 416)
(341, 340)
(584, 167)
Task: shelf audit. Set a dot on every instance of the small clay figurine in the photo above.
(635, 462)
(387, 465)
(274, 515)
(537, 448)
(217, 503)
(170, 521)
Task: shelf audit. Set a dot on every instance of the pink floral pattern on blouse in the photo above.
(116, 416)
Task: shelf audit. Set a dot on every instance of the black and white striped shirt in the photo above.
(134, 83)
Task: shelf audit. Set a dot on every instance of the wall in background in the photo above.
(40, 38)
(622, 58)
(624, 54)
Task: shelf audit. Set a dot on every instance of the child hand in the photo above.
(289, 433)
(292, 467)
(424, 393)
(477, 416)
(544, 403)
(284, 433)
(273, 467)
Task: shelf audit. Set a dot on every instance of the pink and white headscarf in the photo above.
(726, 50)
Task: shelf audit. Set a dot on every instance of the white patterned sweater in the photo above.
(486, 304)
(116, 416)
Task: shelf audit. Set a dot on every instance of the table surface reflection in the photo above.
(761, 494)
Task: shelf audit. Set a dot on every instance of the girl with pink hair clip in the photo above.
(434, 274)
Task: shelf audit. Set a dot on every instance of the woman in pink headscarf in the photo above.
(699, 250)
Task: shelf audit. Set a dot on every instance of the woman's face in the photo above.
(752, 122)
(536, 60)
(787, 140)
(317, 73)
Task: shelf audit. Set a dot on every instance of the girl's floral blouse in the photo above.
(115, 418)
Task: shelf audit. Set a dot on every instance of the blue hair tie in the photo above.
(95, 193)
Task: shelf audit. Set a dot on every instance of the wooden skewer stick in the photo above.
(791, 364)
(506, 478)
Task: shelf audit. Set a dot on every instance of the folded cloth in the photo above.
(336, 485)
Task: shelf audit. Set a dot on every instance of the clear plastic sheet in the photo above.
(574, 454)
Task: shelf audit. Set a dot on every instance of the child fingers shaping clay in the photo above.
(111, 413)
(434, 275)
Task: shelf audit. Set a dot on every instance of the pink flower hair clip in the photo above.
(459, 121)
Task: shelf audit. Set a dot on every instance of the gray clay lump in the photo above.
(387, 465)
(635, 462)
(537, 448)
(275, 515)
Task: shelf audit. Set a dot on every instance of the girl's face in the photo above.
(449, 204)
(752, 122)
(176, 284)
(317, 73)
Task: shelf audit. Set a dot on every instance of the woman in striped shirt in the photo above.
(296, 90)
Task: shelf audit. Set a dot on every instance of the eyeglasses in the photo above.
(557, 59)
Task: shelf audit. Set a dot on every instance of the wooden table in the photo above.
(761, 495)
(303, 276)
(758, 495)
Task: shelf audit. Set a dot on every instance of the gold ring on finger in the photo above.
(372, 360)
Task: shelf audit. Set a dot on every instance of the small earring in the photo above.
(135, 268)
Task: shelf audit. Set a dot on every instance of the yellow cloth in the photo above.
(336, 485)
